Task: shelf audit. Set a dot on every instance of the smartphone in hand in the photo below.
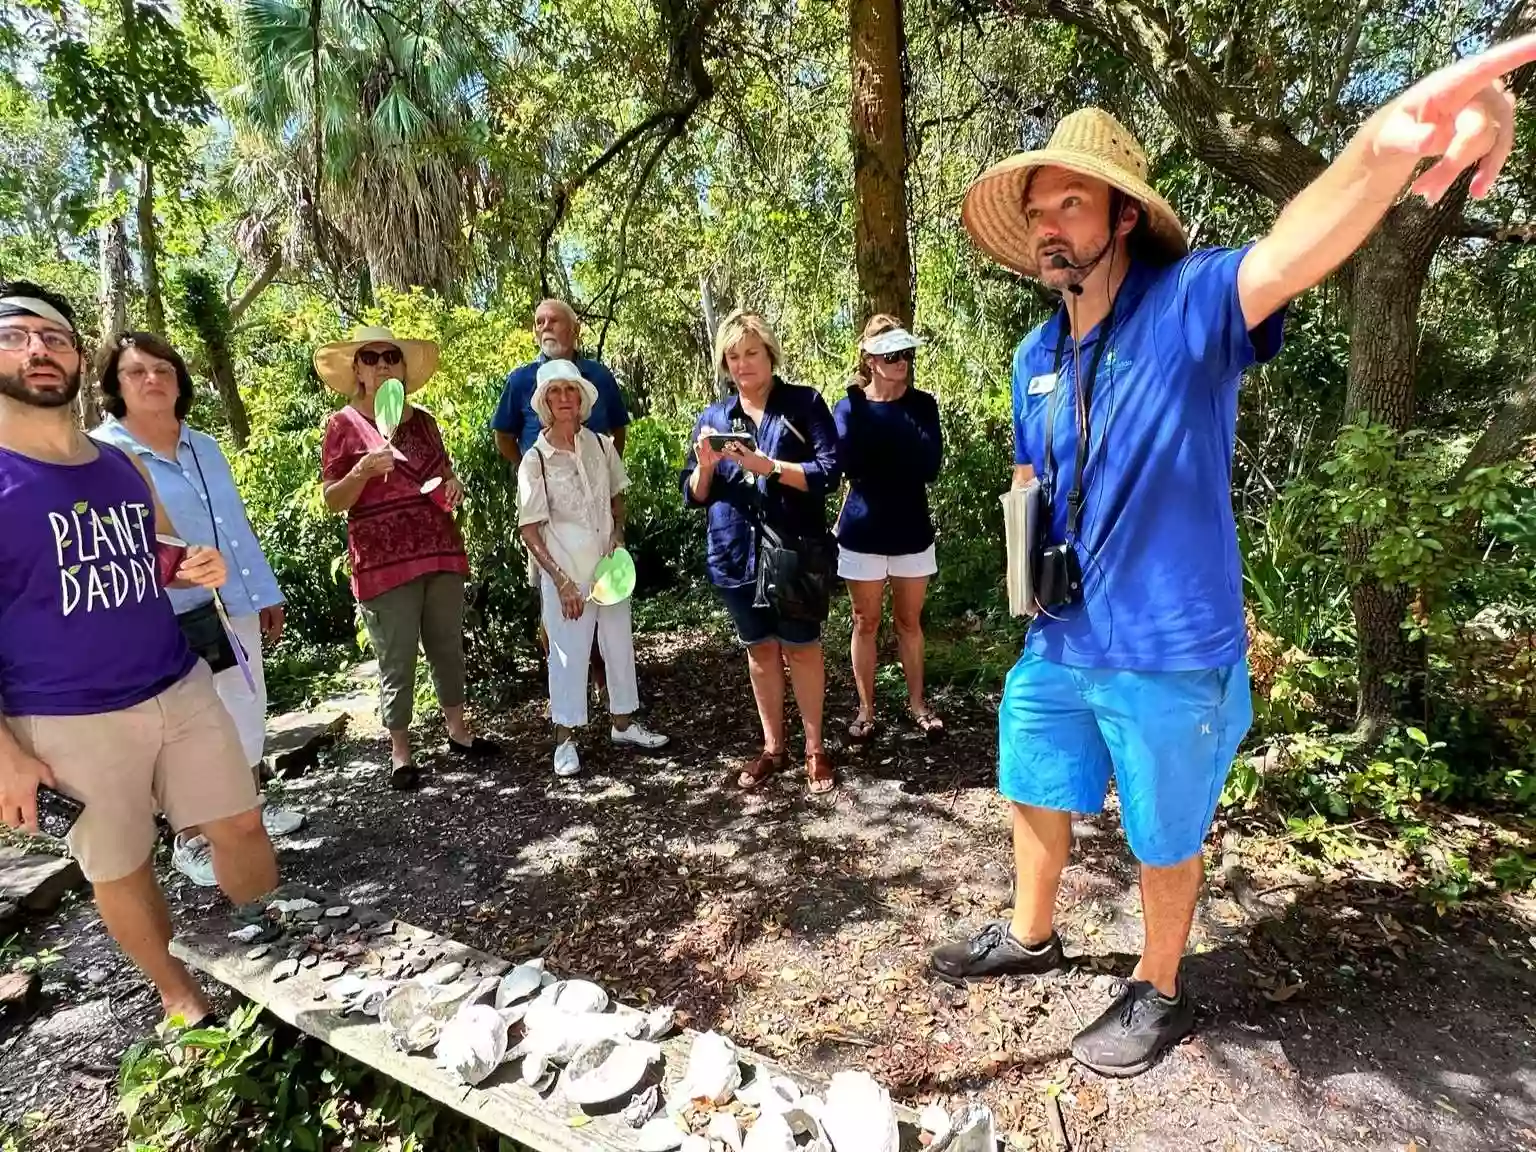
(719, 440)
(56, 812)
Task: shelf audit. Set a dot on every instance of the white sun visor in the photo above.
(896, 340)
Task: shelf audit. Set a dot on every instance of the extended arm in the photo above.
(1460, 114)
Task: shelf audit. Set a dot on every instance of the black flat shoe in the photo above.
(405, 778)
(994, 951)
(477, 749)
(1134, 1031)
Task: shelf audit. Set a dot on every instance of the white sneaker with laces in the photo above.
(280, 821)
(638, 735)
(567, 759)
(194, 859)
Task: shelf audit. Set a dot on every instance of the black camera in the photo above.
(1058, 577)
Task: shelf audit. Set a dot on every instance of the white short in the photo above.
(853, 565)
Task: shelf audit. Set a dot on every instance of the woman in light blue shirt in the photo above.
(147, 390)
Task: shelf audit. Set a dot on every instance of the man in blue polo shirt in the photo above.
(558, 332)
(1125, 409)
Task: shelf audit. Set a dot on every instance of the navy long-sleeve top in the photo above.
(796, 429)
(890, 451)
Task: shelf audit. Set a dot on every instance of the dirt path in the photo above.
(1337, 1012)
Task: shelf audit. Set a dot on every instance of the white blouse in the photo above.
(571, 494)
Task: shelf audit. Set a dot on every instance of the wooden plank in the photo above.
(502, 1103)
(37, 881)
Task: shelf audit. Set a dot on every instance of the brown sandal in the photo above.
(754, 772)
(818, 770)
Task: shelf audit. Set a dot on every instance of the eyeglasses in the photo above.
(158, 371)
(897, 357)
(368, 357)
(16, 339)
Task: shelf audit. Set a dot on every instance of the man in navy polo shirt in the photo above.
(516, 424)
(1125, 410)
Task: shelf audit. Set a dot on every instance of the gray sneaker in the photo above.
(1134, 1031)
(994, 951)
(280, 821)
(194, 859)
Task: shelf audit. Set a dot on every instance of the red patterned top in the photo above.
(394, 533)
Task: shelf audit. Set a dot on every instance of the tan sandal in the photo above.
(861, 728)
(818, 770)
(754, 772)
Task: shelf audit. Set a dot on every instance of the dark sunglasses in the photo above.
(896, 357)
(368, 357)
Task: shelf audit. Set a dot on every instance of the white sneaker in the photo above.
(638, 735)
(567, 759)
(194, 859)
(280, 821)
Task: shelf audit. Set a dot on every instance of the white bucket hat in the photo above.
(561, 371)
(334, 362)
(891, 340)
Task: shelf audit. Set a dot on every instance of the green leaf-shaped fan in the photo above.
(389, 407)
(614, 580)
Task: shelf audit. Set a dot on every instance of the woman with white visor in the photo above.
(890, 445)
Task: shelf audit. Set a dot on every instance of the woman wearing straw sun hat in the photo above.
(570, 500)
(407, 557)
(1125, 412)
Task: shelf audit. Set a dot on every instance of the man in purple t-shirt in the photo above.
(100, 697)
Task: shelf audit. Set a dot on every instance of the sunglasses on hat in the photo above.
(368, 357)
(897, 357)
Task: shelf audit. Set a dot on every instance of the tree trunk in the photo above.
(1503, 439)
(112, 242)
(1387, 283)
(149, 252)
(882, 252)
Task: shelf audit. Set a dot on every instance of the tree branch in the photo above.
(1522, 232)
(1253, 150)
(268, 273)
(1330, 109)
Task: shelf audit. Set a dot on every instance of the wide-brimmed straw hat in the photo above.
(334, 362)
(553, 372)
(1090, 142)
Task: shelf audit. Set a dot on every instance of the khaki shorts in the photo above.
(177, 753)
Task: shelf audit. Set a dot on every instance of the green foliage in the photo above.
(258, 1085)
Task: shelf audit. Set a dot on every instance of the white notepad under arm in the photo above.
(1021, 511)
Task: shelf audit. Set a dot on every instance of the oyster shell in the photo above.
(642, 1107)
(411, 1018)
(607, 1070)
(972, 1130)
(770, 1133)
(473, 1044)
(520, 983)
(713, 1071)
(724, 1129)
(660, 1135)
(575, 996)
(858, 1116)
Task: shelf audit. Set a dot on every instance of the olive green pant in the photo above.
(427, 612)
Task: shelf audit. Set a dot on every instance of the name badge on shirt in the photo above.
(1042, 385)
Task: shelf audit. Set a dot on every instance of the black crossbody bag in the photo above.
(204, 631)
(795, 574)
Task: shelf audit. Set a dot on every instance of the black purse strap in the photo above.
(1083, 396)
(213, 520)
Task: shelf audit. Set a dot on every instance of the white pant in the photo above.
(248, 708)
(853, 565)
(570, 655)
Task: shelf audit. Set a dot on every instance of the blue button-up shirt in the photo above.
(515, 415)
(198, 491)
(797, 428)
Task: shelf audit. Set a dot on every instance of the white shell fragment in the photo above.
(660, 1135)
(858, 1116)
(724, 1129)
(472, 1044)
(289, 907)
(658, 1023)
(694, 1144)
(770, 1133)
(247, 934)
(442, 974)
(520, 983)
(934, 1120)
(410, 1018)
(972, 1130)
(642, 1107)
(575, 996)
(608, 1070)
(770, 1094)
(713, 1073)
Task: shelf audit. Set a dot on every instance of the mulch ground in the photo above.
(1337, 1009)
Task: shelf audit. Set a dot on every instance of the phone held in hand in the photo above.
(719, 440)
(56, 812)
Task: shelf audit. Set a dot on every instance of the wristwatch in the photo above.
(778, 470)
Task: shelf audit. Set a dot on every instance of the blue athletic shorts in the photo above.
(1168, 737)
(755, 625)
